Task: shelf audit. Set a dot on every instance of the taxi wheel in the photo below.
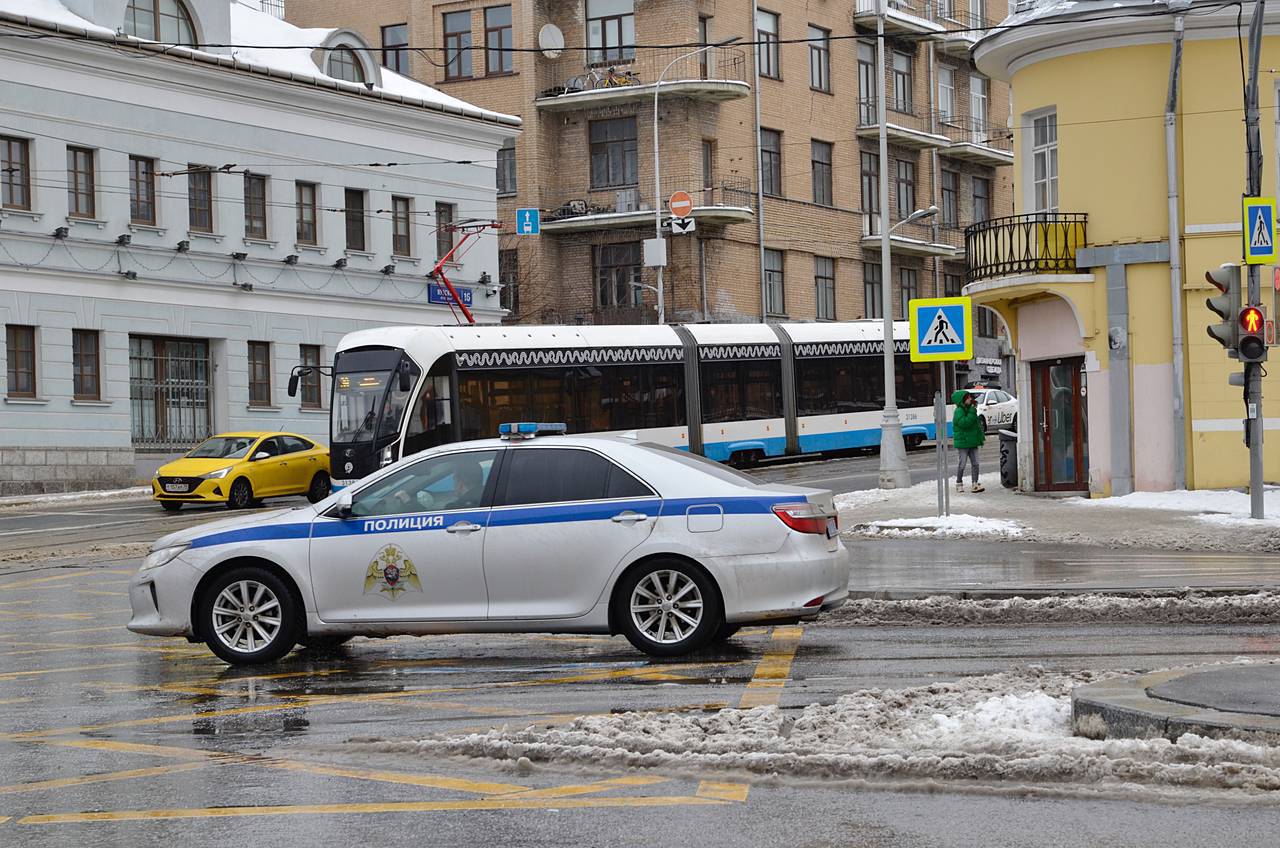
(171, 506)
(319, 489)
(241, 495)
(667, 608)
(982, 419)
(249, 616)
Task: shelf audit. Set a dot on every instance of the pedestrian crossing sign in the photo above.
(1259, 230)
(941, 328)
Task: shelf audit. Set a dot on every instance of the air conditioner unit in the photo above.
(627, 200)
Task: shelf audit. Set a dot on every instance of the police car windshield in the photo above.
(701, 463)
(356, 398)
(223, 447)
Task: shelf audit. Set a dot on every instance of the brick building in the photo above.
(585, 155)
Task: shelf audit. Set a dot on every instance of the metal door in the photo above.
(1059, 434)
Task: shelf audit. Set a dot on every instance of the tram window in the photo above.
(741, 391)
(838, 386)
(431, 423)
(917, 381)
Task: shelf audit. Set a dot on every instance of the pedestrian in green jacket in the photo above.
(967, 435)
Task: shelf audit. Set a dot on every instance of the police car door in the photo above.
(563, 518)
(412, 547)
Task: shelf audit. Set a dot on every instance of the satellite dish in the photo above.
(551, 41)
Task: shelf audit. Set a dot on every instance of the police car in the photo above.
(997, 409)
(536, 531)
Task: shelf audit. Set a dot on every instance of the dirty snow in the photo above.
(1213, 501)
(947, 526)
(73, 497)
(1187, 606)
(1008, 732)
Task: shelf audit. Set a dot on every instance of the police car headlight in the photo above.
(162, 556)
(216, 475)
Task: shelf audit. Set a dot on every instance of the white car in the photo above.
(997, 409)
(527, 533)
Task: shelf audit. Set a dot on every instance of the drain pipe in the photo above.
(1175, 250)
(755, 64)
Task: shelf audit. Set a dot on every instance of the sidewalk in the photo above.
(1174, 521)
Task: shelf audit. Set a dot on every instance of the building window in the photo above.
(768, 58)
(199, 199)
(984, 322)
(871, 290)
(950, 212)
(613, 153)
(952, 285)
(15, 173)
(820, 59)
(20, 350)
(395, 43)
(309, 357)
(497, 40)
(507, 167)
(457, 44)
(946, 93)
(305, 201)
(775, 289)
(80, 183)
(1044, 158)
(771, 162)
(344, 65)
(509, 280)
(906, 182)
(708, 170)
(401, 226)
(617, 274)
(867, 96)
(902, 82)
(166, 21)
(871, 191)
(821, 164)
(978, 102)
(259, 373)
(353, 214)
(142, 190)
(981, 199)
(824, 279)
(445, 215)
(705, 63)
(909, 283)
(85, 376)
(611, 31)
(255, 206)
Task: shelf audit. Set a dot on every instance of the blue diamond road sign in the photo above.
(528, 222)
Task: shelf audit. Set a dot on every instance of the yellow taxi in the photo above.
(240, 469)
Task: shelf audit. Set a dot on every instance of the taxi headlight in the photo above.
(216, 475)
(162, 556)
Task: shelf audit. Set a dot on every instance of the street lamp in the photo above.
(657, 173)
(916, 216)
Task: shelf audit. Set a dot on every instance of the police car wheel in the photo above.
(726, 631)
(241, 495)
(325, 643)
(248, 616)
(668, 608)
(319, 489)
(171, 506)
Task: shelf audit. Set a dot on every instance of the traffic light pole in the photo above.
(1253, 295)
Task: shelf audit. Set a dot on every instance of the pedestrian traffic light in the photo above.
(1226, 279)
(1251, 343)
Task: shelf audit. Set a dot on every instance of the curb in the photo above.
(71, 498)
(1008, 592)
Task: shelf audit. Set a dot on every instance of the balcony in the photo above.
(904, 127)
(902, 17)
(961, 29)
(728, 200)
(953, 237)
(1024, 245)
(582, 82)
(914, 239)
(976, 140)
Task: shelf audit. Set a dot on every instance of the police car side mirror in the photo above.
(343, 509)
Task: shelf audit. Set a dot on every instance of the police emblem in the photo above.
(392, 574)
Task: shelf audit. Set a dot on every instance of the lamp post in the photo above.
(657, 173)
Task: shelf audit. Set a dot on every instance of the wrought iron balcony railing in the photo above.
(1039, 243)
(729, 191)
(961, 129)
(596, 70)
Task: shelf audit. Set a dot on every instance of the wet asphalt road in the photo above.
(108, 739)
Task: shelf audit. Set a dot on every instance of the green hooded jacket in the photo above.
(966, 429)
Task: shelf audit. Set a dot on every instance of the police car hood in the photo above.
(258, 519)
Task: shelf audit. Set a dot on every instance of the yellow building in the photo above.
(1106, 167)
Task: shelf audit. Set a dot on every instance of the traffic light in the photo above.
(1251, 344)
(1226, 306)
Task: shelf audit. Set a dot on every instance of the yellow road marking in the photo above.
(723, 791)
(102, 593)
(28, 582)
(82, 630)
(4, 819)
(14, 675)
(138, 748)
(364, 809)
(104, 777)
(62, 647)
(589, 788)
(773, 670)
(7, 615)
(16, 603)
(432, 781)
(14, 701)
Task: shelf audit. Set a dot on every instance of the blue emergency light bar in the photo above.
(529, 429)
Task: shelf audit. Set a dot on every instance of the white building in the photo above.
(179, 227)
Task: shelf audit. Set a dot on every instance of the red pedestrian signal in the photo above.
(1251, 343)
(1251, 319)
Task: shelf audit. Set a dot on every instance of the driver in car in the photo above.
(468, 486)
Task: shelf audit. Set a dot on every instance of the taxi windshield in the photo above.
(356, 398)
(223, 447)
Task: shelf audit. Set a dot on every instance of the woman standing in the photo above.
(967, 435)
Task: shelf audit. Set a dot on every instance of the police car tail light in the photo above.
(802, 517)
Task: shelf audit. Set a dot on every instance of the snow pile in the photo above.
(1223, 502)
(947, 526)
(1007, 732)
(1184, 607)
(71, 497)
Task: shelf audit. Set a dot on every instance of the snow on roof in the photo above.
(283, 52)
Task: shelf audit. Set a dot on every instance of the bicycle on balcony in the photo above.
(609, 77)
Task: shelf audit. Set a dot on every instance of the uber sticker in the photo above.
(392, 574)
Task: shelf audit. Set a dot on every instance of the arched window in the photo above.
(344, 65)
(166, 21)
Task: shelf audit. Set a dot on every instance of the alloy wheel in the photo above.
(666, 606)
(246, 616)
